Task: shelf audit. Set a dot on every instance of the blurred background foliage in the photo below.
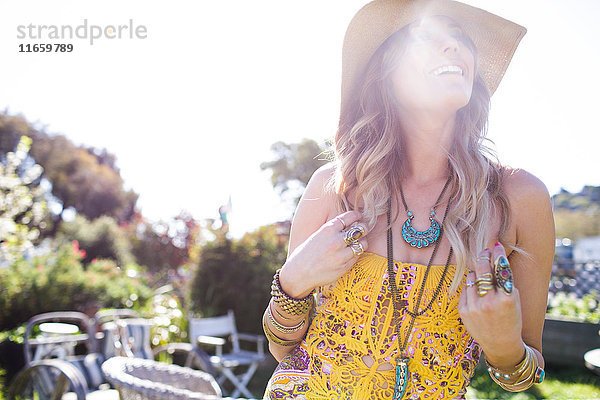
(60, 281)
(72, 238)
(237, 274)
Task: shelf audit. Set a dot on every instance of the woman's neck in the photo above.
(426, 144)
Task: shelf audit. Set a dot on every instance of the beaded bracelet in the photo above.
(282, 328)
(273, 338)
(289, 304)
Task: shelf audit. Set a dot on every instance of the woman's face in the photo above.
(436, 69)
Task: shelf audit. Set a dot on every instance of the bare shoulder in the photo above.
(531, 208)
(524, 189)
(316, 206)
(319, 183)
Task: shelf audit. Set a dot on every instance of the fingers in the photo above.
(344, 220)
(483, 263)
(470, 291)
(355, 250)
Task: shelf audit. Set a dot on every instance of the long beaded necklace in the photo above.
(421, 239)
(402, 374)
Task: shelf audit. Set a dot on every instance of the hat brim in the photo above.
(496, 38)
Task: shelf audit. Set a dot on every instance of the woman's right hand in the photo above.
(322, 258)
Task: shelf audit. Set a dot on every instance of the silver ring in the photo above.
(357, 248)
(470, 283)
(342, 221)
(353, 234)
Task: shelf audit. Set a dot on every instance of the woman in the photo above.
(459, 248)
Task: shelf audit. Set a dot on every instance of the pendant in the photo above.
(401, 378)
(420, 239)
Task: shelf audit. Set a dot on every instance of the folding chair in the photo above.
(110, 341)
(209, 331)
(135, 337)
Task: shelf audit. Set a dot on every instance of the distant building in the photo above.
(563, 250)
(587, 249)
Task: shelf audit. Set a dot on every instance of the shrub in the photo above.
(584, 309)
(58, 281)
(237, 274)
(100, 238)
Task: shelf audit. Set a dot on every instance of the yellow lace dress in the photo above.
(350, 347)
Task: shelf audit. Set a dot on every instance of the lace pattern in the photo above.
(350, 347)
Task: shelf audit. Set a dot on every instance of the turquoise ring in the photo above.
(503, 273)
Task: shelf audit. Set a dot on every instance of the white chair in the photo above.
(210, 331)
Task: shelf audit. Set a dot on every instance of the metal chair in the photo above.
(210, 332)
(135, 337)
(52, 369)
(110, 341)
(114, 314)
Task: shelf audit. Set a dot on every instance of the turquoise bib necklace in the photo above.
(402, 373)
(421, 239)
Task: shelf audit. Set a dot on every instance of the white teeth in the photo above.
(448, 68)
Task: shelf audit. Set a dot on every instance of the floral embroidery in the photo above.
(351, 345)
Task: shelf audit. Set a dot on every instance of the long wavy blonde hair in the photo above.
(369, 158)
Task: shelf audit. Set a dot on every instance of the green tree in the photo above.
(293, 166)
(84, 178)
(22, 208)
(236, 274)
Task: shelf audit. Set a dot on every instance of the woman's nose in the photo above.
(450, 45)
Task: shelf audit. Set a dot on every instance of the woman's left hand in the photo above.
(493, 318)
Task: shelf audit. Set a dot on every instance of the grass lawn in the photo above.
(560, 383)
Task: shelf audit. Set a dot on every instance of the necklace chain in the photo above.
(436, 202)
(394, 288)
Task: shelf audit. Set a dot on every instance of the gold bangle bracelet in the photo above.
(282, 328)
(273, 338)
(280, 315)
(528, 371)
(519, 368)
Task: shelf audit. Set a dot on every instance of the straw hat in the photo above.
(496, 38)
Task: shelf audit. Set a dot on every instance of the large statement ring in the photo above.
(353, 234)
(357, 248)
(504, 277)
(342, 222)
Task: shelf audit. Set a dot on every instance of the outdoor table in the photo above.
(140, 379)
(592, 360)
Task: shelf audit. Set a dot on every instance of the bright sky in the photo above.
(191, 110)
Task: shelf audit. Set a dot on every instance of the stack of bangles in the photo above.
(527, 372)
(296, 307)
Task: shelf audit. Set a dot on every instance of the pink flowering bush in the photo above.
(59, 281)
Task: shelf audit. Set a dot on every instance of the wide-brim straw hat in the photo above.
(495, 37)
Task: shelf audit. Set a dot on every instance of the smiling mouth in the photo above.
(448, 69)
